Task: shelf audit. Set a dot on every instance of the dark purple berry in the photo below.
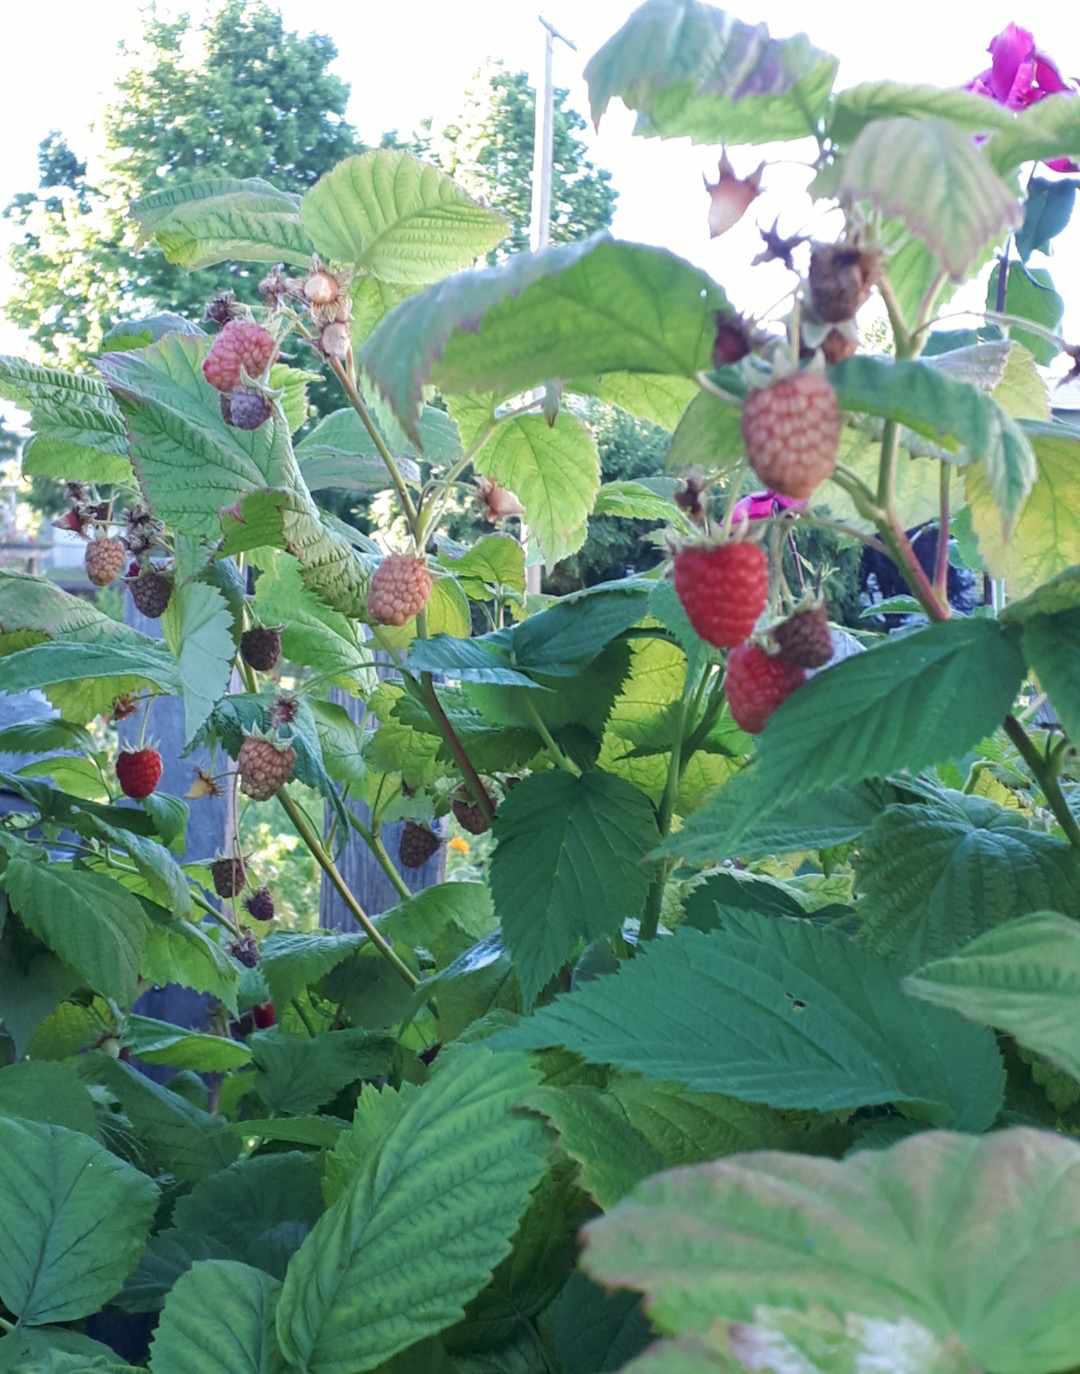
(245, 409)
(260, 905)
(228, 876)
(151, 591)
(246, 949)
(417, 845)
(261, 647)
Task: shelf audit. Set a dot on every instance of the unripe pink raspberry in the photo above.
(399, 589)
(241, 345)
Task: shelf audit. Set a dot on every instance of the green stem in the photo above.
(1045, 774)
(298, 1008)
(941, 564)
(566, 764)
(890, 449)
(357, 402)
(901, 338)
(654, 901)
(5, 1325)
(326, 863)
(382, 858)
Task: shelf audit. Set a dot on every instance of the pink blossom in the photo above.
(1019, 76)
(762, 505)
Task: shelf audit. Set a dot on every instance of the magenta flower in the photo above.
(1019, 76)
(762, 505)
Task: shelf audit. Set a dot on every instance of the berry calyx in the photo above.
(228, 876)
(723, 589)
(261, 647)
(242, 346)
(791, 429)
(756, 683)
(138, 771)
(151, 591)
(260, 905)
(417, 844)
(805, 638)
(105, 559)
(264, 766)
(399, 589)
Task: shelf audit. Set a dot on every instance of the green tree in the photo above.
(489, 149)
(239, 95)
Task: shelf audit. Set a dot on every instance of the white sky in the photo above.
(414, 57)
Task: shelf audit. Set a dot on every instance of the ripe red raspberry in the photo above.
(151, 591)
(138, 771)
(805, 638)
(399, 589)
(469, 815)
(228, 876)
(723, 589)
(261, 647)
(417, 845)
(264, 767)
(756, 684)
(264, 1015)
(792, 431)
(105, 559)
(242, 344)
(260, 905)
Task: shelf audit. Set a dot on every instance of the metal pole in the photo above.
(540, 220)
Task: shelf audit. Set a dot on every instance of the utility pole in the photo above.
(540, 220)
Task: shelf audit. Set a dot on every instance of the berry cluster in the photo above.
(325, 298)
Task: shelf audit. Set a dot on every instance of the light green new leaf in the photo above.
(624, 1133)
(1052, 647)
(873, 1238)
(933, 876)
(1023, 978)
(1046, 539)
(708, 436)
(567, 867)
(634, 501)
(51, 1093)
(932, 177)
(198, 628)
(647, 396)
(92, 923)
(554, 470)
(159, 1042)
(222, 219)
(418, 1232)
(774, 1010)
(690, 70)
(570, 311)
(403, 220)
(495, 560)
(179, 952)
(74, 1218)
(1061, 593)
(1049, 129)
(860, 105)
(220, 1315)
(890, 708)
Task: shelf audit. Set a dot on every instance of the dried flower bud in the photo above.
(499, 503)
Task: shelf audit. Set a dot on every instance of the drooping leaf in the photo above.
(574, 310)
(1046, 539)
(860, 105)
(419, 1230)
(222, 219)
(567, 867)
(403, 220)
(933, 876)
(181, 952)
(78, 430)
(128, 334)
(690, 70)
(778, 1011)
(932, 177)
(92, 923)
(291, 960)
(75, 1219)
(721, 1242)
(219, 1314)
(1022, 978)
(163, 876)
(1052, 647)
(1047, 211)
(72, 661)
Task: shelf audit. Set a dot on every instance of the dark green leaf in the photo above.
(220, 1315)
(49, 1093)
(1030, 294)
(296, 1076)
(1047, 211)
(595, 1331)
(1052, 646)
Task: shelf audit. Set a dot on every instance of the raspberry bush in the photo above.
(751, 1045)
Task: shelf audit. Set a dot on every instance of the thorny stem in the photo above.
(1044, 771)
(326, 863)
(454, 744)
(357, 402)
(941, 565)
(566, 764)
